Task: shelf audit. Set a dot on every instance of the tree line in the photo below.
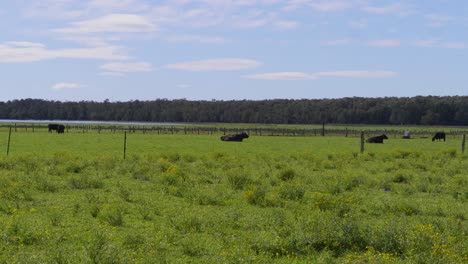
(420, 110)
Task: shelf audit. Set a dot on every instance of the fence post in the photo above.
(463, 144)
(346, 132)
(323, 129)
(362, 141)
(8, 146)
(125, 144)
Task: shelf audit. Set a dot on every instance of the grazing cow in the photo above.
(439, 136)
(235, 137)
(60, 129)
(53, 127)
(377, 139)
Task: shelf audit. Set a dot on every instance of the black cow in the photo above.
(53, 127)
(235, 137)
(58, 128)
(439, 136)
(377, 139)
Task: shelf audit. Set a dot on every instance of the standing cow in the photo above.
(439, 136)
(235, 137)
(377, 139)
(52, 127)
(60, 129)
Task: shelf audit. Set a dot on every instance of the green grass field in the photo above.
(193, 199)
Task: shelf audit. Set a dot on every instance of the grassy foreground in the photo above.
(178, 199)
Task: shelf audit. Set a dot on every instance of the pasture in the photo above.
(71, 198)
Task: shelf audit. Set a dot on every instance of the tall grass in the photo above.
(179, 199)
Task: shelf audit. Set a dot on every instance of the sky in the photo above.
(122, 50)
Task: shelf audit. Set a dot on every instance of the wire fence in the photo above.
(218, 130)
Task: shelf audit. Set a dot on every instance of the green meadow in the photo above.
(72, 198)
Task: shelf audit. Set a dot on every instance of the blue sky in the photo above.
(74, 50)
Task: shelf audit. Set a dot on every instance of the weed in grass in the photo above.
(255, 194)
(188, 223)
(113, 215)
(288, 175)
(401, 178)
(56, 218)
(209, 197)
(46, 184)
(101, 250)
(134, 240)
(321, 201)
(238, 180)
(145, 209)
(23, 232)
(82, 182)
(76, 208)
(94, 209)
(192, 246)
(7, 207)
(163, 164)
(292, 192)
(125, 193)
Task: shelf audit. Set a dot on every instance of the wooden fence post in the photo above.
(463, 144)
(323, 129)
(125, 144)
(362, 141)
(8, 146)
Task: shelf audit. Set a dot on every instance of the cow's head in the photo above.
(244, 135)
(384, 136)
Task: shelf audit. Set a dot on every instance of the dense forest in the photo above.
(421, 110)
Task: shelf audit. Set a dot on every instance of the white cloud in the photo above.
(183, 86)
(339, 42)
(385, 43)
(227, 64)
(397, 9)
(358, 24)
(282, 76)
(454, 45)
(431, 43)
(197, 39)
(66, 85)
(331, 5)
(291, 76)
(29, 52)
(426, 43)
(438, 20)
(322, 5)
(62, 9)
(244, 14)
(358, 74)
(285, 24)
(116, 68)
(119, 5)
(24, 44)
(113, 23)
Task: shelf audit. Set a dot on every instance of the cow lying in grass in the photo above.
(377, 139)
(235, 137)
